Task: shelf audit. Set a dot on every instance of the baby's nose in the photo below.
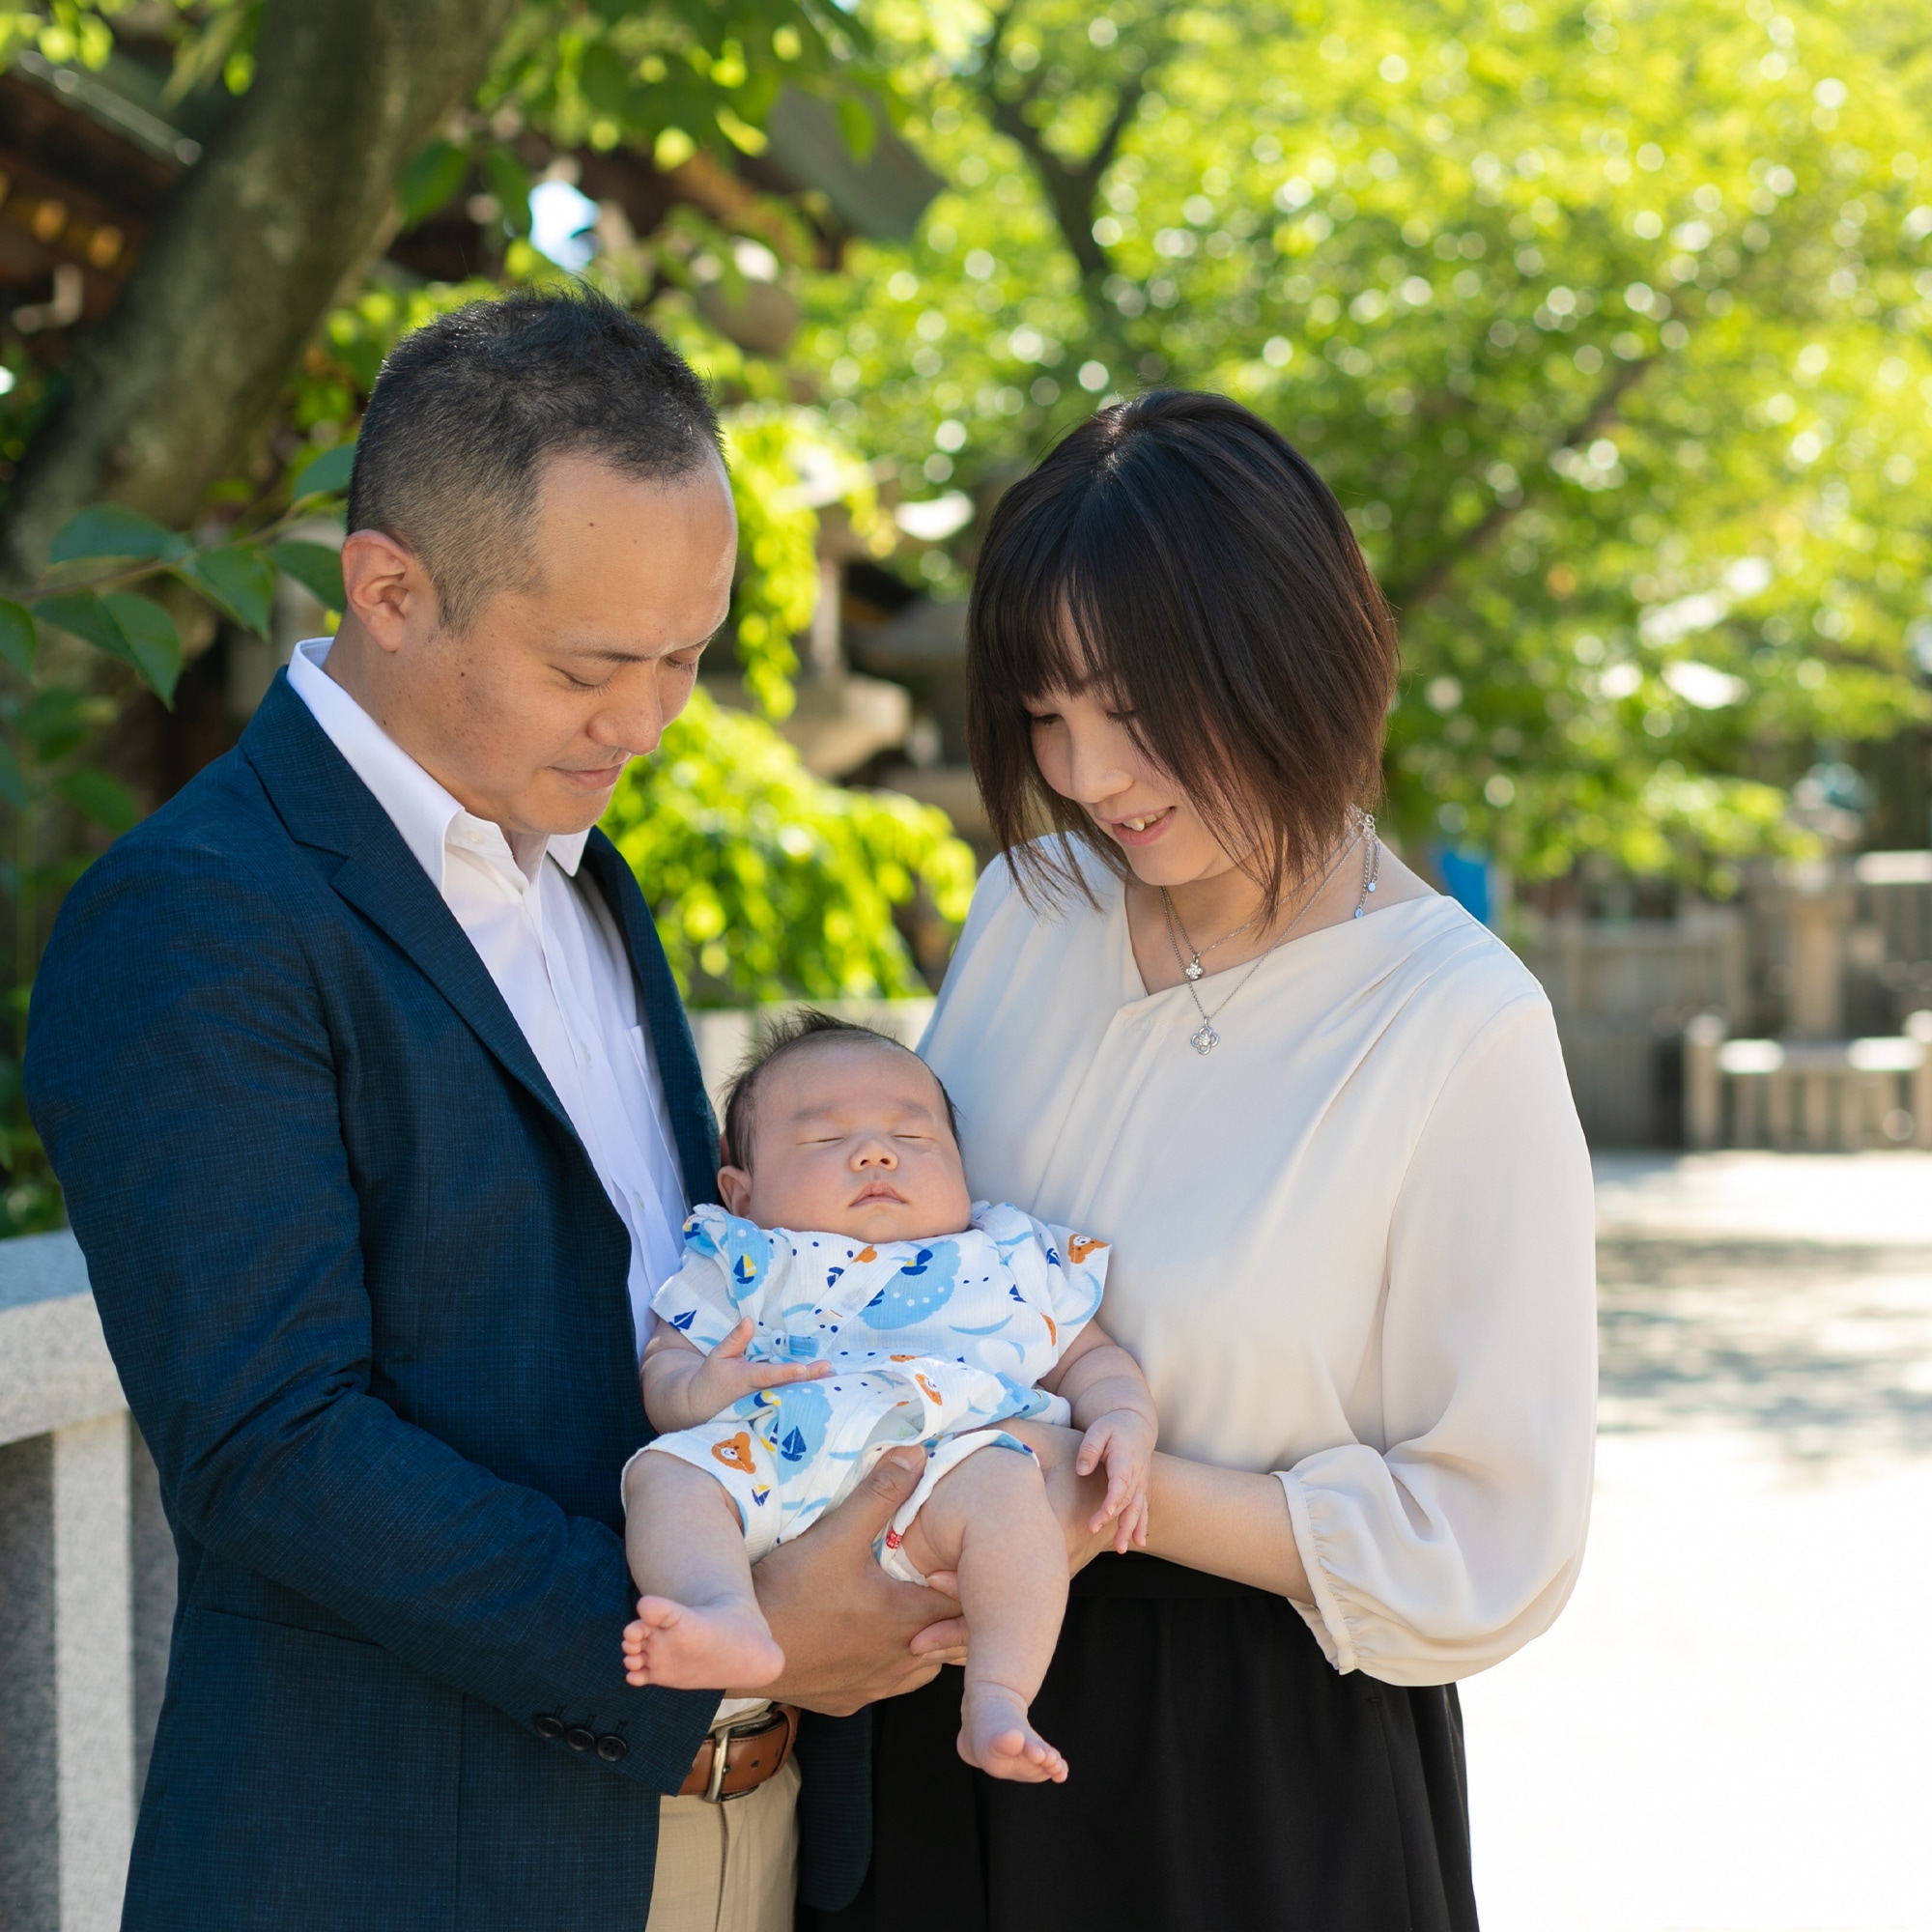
(874, 1154)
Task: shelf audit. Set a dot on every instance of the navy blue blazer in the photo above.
(368, 1300)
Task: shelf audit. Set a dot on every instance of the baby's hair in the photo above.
(791, 1034)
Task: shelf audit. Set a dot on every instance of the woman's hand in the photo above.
(1078, 1500)
(1122, 1443)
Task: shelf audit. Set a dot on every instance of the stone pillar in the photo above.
(1818, 908)
(1703, 1083)
(94, 1673)
(29, 1816)
(1919, 1026)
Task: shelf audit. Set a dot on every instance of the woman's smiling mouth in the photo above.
(1143, 828)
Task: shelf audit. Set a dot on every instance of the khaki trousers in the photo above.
(730, 1867)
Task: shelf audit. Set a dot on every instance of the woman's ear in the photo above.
(734, 1188)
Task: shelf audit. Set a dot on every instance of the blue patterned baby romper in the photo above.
(932, 1340)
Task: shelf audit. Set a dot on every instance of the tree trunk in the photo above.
(294, 198)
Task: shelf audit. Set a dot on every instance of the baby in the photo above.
(854, 1297)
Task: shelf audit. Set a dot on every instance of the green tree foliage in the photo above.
(812, 884)
(1605, 321)
(770, 883)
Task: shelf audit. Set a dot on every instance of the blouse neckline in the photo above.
(1134, 990)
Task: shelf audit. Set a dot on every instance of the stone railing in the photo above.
(1807, 1093)
(87, 1577)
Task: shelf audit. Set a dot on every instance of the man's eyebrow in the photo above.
(603, 653)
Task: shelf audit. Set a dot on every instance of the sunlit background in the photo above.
(1606, 321)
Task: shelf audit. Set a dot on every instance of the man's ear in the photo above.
(388, 589)
(734, 1186)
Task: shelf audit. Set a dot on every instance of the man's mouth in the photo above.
(595, 777)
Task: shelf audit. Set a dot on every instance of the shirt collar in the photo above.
(418, 807)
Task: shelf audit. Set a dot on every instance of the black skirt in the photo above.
(1222, 1774)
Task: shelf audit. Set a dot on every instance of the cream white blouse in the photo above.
(1353, 1246)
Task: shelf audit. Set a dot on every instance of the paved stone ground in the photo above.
(1730, 1728)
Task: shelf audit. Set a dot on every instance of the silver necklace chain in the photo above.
(1203, 1039)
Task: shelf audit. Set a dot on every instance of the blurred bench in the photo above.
(1807, 1093)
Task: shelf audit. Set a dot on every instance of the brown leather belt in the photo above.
(737, 1758)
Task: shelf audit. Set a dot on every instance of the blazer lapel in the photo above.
(663, 1012)
(329, 809)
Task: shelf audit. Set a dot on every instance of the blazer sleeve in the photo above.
(1454, 1546)
(181, 1073)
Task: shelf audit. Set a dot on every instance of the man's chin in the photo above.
(563, 808)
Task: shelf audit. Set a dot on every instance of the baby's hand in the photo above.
(725, 1376)
(1124, 1440)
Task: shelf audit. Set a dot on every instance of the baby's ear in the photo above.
(734, 1189)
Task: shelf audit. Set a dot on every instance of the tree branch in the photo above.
(1070, 186)
(1438, 571)
(295, 197)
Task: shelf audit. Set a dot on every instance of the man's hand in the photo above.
(852, 1634)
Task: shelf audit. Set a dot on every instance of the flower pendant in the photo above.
(1203, 1039)
(1194, 968)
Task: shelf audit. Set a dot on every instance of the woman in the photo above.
(1321, 1115)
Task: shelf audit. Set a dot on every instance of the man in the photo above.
(378, 1117)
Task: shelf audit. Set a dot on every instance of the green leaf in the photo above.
(84, 616)
(106, 800)
(106, 529)
(19, 637)
(511, 186)
(316, 567)
(239, 582)
(12, 781)
(153, 645)
(856, 126)
(136, 630)
(327, 475)
(604, 80)
(431, 179)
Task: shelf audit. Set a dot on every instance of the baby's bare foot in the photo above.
(700, 1647)
(994, 1734)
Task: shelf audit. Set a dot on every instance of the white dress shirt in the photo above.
(552, 947)
(1353, 1247)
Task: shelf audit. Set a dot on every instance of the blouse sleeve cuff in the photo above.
(1324, 1616)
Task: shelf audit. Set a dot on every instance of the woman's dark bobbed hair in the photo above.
(1178, 553)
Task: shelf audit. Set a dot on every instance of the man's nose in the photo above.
(632, 724)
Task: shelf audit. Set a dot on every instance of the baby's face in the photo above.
(851, 1137)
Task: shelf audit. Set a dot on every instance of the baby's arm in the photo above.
(683, 1386)
(1113, 1403)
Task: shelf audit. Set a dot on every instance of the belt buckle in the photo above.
(721, 1741)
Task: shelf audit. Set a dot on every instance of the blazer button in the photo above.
(548, 1728)
(612, 1750)
(579, 1739)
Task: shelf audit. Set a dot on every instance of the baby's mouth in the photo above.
(878, 1190)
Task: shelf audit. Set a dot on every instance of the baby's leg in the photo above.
(699, 1624)
(988, 1519)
